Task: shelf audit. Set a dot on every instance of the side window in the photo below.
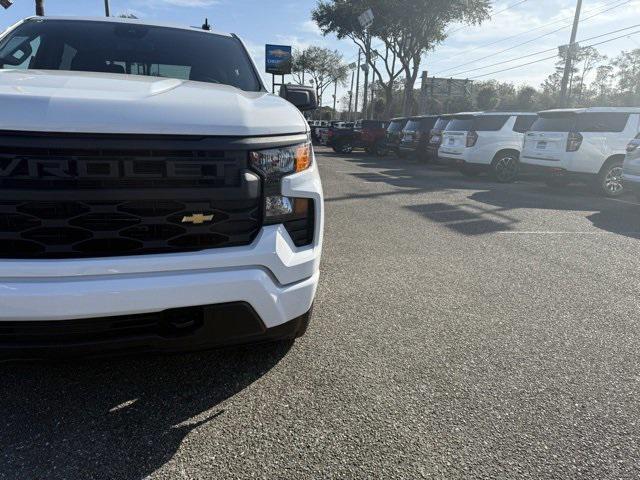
(490, 123)
(20, 52)
(523, 123)
(602, 122)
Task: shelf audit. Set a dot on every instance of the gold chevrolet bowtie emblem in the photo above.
(197, 219)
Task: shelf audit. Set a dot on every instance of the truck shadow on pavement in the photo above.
(488, 208)
(116, 418)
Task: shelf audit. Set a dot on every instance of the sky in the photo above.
(475, 48)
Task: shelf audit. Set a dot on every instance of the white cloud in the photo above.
(310, 27)
(178, 3)
(191, 3)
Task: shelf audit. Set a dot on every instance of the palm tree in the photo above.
(40, 8)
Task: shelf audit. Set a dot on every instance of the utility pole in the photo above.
(335, 96)
(366, 21)
(570, 52)
(357, 87)
(40, 8)
(107, 13)
(353, 76)
(367, 55)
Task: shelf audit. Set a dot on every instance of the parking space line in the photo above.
(623, 201)
(515, 232)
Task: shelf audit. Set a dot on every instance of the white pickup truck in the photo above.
(153, 195)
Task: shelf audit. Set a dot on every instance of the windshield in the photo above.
(396, 126)
(460, 124)
(132, 49)
(412, 125)
(441, 124)
(554, 123)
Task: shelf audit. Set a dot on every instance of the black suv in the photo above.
(416, 135)
(394, 135)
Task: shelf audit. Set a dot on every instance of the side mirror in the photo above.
(301, 96)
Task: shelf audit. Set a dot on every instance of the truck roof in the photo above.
(134, 21)
(560, 111)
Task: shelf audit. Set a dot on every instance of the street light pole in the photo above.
(40, 8)
(355, 108)
(106, 8)
(570, 52)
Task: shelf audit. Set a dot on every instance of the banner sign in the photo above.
(278, 59)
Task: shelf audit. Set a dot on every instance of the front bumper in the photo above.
(276, 279)
(176, 330)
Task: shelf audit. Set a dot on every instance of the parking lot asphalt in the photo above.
(463, 329)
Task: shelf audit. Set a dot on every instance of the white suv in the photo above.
(586, 144)
(153, 195)
(476, 142)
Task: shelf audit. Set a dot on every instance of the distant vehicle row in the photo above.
(563, 146)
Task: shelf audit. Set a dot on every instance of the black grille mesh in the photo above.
(73, 229)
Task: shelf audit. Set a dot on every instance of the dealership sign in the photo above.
(278, 59)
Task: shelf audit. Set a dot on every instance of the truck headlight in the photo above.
(280, 162)
(295, 213)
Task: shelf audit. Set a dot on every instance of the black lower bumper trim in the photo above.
(171, 331)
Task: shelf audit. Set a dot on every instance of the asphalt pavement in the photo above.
(463, 329)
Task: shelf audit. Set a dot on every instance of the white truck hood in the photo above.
(57, 101)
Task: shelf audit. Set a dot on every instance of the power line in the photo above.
(449, 32)
(543, 51)
(520, 34)
(549, 58)
(531, 40)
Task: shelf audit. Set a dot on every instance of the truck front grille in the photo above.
(152, 195)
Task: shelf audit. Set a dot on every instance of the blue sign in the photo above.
(279, 59)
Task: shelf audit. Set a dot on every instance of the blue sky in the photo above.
(288, 22)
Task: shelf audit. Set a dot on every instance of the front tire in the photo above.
(609, 180)
(505, 168)
(345, 148)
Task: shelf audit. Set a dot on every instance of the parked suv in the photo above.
(435, 138)
(586, 144)
(631, 168)
(416, 135)
(486, 142)
(393, 136)
(365, 134)
(153, 195)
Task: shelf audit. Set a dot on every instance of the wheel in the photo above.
(505, 167)
(467, 171)
(609, 180)
(382, 152)
(345, 147)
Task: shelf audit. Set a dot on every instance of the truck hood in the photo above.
(57, 101)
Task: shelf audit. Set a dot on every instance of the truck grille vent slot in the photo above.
(98, 229)
(75, 196)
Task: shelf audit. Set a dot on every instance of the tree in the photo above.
(525, 99)
(419, 25)
(408, 29)
(341, 17)
(487, 97)
(603, 82)
(324, 66)
(627, 65)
